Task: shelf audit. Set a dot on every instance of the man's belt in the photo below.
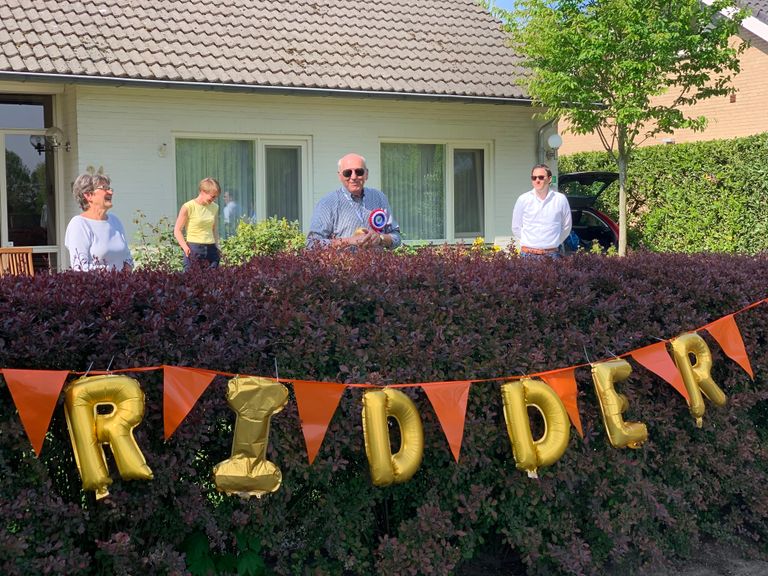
(539, 251)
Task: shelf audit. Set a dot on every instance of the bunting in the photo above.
(449, 400)
(564, 383)
(182, 388)
(36, 392)
(317, 403)
(656, 359)
(726, 332)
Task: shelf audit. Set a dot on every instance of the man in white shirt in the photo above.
(231, 214)
(541, 220)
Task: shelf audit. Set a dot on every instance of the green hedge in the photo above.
(697, 197)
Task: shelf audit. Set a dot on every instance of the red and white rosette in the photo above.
(377, 219)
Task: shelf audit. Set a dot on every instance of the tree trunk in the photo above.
(622, 161)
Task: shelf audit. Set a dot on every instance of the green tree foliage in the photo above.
(21, 186)
(600, 64)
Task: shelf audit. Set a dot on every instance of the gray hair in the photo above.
(365, 163)
(86, 184)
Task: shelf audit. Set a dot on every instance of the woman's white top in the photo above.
(97, 244)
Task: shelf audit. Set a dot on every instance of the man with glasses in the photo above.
(541, 220)
(354, 215)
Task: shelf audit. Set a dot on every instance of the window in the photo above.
(428, 204)
(468, 176)
(27, 178)
(282, 170)
(259, 178)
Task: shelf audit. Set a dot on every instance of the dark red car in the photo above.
(589, 224)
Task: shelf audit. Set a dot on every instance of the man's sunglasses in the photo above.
(538, 177)
(358, 172)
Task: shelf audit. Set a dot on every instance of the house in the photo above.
(265, 96)
(741, 114)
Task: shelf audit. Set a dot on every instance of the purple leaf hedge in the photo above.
(388, 319)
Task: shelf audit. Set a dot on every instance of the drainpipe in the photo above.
(541, 150)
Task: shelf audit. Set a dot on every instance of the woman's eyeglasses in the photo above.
(534, 178)
(358, 172)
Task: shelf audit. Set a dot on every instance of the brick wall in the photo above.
(729, 117)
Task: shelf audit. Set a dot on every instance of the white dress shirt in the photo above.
(538, 223)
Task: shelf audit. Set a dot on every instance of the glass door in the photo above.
(27, 182)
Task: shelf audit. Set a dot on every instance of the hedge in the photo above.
(694, 197)
(437, 315)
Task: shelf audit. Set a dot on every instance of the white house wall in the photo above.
(122, 129)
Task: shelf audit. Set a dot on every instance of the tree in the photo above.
(600, 63)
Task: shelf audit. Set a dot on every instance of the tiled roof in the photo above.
(434, 47)
(759, 8)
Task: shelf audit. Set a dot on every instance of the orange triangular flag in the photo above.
(35, 393)
(449, 400)
(727, 334)
(182, 387)
(564, 383)
(656, 359)
(317, 402)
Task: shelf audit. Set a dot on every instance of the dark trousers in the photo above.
(202, 254)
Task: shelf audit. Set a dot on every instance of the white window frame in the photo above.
(260, 142)
(305, 144)
(42, 249)
(450, 218)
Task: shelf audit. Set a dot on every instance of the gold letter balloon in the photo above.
(385, 467)
(531, 455)
(89, 430)
(247, 472)
(696, 376)
(612, 404)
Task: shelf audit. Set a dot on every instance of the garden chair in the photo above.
(16, 261)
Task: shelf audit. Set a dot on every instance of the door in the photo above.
(27, 182)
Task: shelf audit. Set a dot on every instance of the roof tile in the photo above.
(451, 47)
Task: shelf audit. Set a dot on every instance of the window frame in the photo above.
(450, 146)
(260, 142)
(54, 253)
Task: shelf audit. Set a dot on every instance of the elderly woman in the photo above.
(95, 239)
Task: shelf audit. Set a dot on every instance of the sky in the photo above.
(506, 4)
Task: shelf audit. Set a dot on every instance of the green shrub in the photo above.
(263, 238)
(155, 247)
(695, 197)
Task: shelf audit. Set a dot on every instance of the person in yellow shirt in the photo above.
(197, 218)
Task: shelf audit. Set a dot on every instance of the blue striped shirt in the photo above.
(339, 214)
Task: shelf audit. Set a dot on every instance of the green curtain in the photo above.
(283, 176)
(231, 162)
(468, 193)
(413, 179)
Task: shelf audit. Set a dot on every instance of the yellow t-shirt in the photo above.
(201, 218)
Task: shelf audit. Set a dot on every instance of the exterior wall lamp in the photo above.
(554, 141)
(52, 140)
